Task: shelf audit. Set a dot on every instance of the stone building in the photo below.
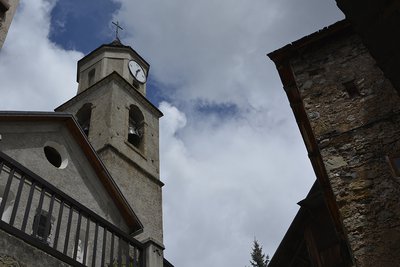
(377, 22)
(81, 186)
(348, 115)
(7, 11)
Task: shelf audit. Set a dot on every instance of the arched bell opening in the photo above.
(91, 76)
(83, 115)
(136, 127)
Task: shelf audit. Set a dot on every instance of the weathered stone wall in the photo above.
(355, 135)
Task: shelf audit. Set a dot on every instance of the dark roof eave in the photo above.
(292, 235)
(323, 35)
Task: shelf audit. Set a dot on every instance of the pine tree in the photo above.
(258, 258)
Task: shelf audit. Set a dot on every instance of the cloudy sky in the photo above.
(232, 157)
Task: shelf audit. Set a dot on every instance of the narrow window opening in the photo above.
(83, 116)
(91, 74)
(395, 165)
(53, 156)
(136, 127)
(351, 88)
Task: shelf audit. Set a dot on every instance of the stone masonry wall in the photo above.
(355, 135)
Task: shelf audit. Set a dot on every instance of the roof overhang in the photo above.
(114, 76)
(296, 248)
(322, 36)
(292, 245)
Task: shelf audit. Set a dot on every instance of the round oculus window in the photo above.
(53, 156)
(56, 155)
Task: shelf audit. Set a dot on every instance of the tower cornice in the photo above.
(113, 47)
(114, 76)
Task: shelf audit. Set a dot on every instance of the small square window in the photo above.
(351, 88)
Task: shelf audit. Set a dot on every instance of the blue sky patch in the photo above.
(82, 25)
(221, 110)
(156, 93)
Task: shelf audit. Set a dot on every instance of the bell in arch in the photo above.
(134, 133)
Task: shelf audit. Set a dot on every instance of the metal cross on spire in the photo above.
(117, 28)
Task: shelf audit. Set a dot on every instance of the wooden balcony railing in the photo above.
(45, 217)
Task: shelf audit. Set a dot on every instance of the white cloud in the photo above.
(215, 50)
(229, 176)
(35, 73)
(227, 184)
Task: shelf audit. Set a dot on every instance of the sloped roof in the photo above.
(317, 38)
(292, 250)
(313, 217)
(72, 125)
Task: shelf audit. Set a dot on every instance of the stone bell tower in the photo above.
(123, 126)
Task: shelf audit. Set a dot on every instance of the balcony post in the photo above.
(154, 253)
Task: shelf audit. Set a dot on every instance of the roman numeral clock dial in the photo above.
(137, 71)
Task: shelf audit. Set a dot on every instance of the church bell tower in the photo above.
(123, 127)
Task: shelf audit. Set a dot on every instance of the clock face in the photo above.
(137, 71)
